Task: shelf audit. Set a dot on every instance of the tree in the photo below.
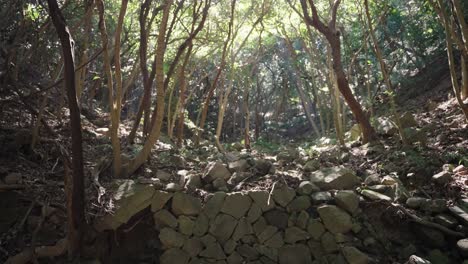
(76, 219)
(332, 34)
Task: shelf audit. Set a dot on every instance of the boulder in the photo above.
(193, 246)
(338, 178)
(243, 228)
(174, 255)
(130, 197)
(184, 204)
(442, 177)
(262, 199)
(236, 204)
(347, 200)
(283, 194)
(201, 224)
(277, 218)
(229, 246)
(306, 188)
(335, 219)
(298, 254)
(163, 176)
(315, 228)
(222, 227)
(163, 218)
(354, 132)
(171, 238)
(267, 233)
(248, 252)
(185, 225)
(214, 204)
(160, 198)
(328, 243)
(462, 246)
(417, 260)
(299, 203)
(288, 155)
(239, 165)
(216, 170)
(311, 165)
(193, 181)
(276, 241)
(302, 219)
(220, 185)
(321, 197)
(254, 213)
(295, 234)
(263, 167)
(235, 258)
(213, 251)
(174, 187)
(354, 255)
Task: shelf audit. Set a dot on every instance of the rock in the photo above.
(163, 176)
(295, 234)
(216, 170)
(338, 178)
(415, 202)
(430, 236)
(417, 260)
(267, 233)
(375, 196)
(185, 225)
(288, 155)
(276, 241)
(299, 203)
(347, 200)
(277, 218)
(229, 246)
(355, 132)
(238, 177)
(407, 120)
(254, 213)
(306, 188)
(193, 181)
(385, 126)
(174, 255)
(174, 187)
(184, 204)
(434, 206)
(235, 258)
(415, 135)
(446, 220)
(462, 246)
(263, 167)
(130, 198)
(328, 243)
(236, 204)
(13, 178)
(316, 249)
(193, 246)
(321, 197)
(248, 252)
(261, 198)
(243, 228)
(214, 204)
(213, 251)
(239, 165)
(271, 254)
(171, 238)
(200, 226)
(442, 177)
(220, 185)
(283, 194)
(335, 219)
(460, 213)
(164, 218)
(207, 240)
(259, 226)
(223, 227)
(302, 219)
(312, 165)
(372, 179)
(160, 199)
(315, 228)
(354, 255)
(297, 254)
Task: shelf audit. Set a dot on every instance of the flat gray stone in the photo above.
(174, 255)
(193, 246)
(186, 225)
(184, 204)
(243, 228)
(262, 199)
(295, 234)
(328, 243)
(347, 200)
(214, 204)
(267, 233)
(171, 238)
(163, 218)
(201, 225)
(236, 205)
(222, 227)
(160, 198)
(307, 187)
(299, 203)
(216, 170)
(334, 178)
(277, 218)
(283, 194)
(213, 251)
(315, 228)
(276, 241)
(248, 252)
(335, 219)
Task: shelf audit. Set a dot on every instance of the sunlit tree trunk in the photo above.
(155, 131)
(76, 216)
(333, 37)
(206, 102)
(81, 74)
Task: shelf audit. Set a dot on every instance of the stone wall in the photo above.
(286, 226)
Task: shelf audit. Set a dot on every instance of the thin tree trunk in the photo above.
(81, 74)
(76, 219)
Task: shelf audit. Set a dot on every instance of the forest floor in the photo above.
(32, 195)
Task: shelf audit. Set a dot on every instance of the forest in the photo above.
(234, 131)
